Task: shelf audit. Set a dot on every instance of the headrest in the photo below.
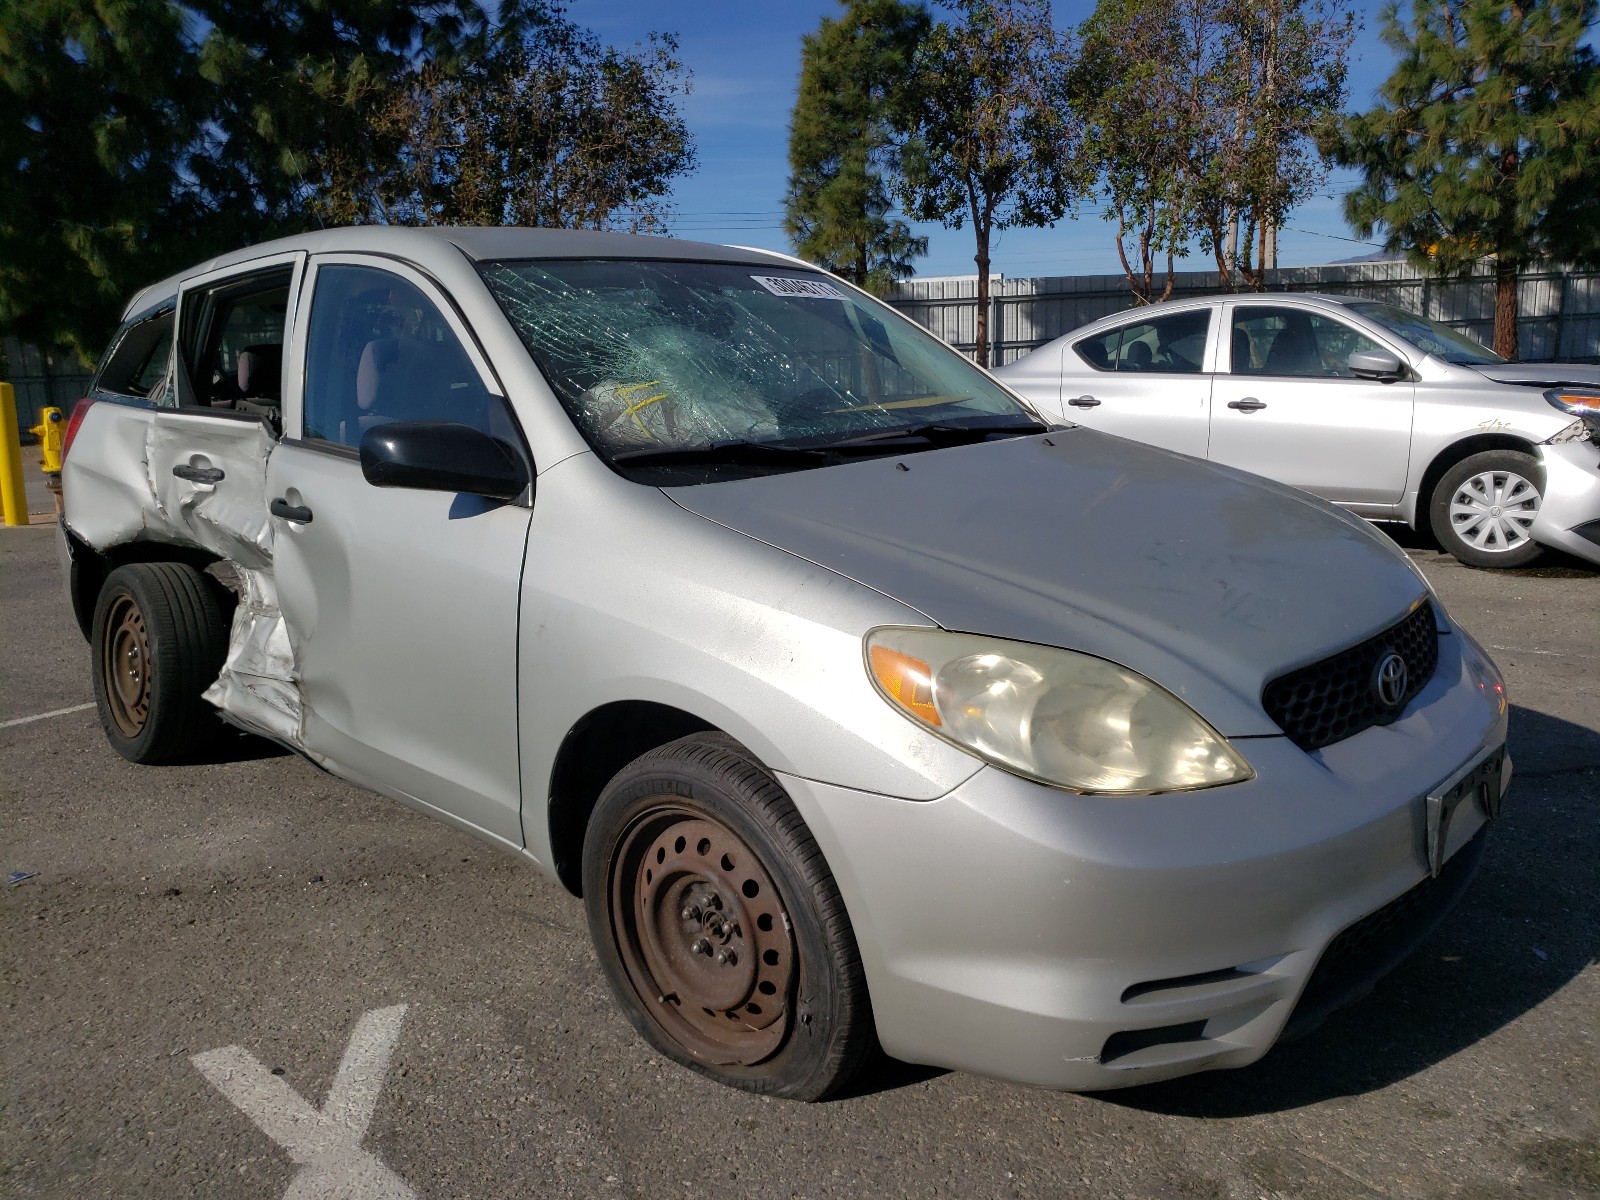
(260, 370)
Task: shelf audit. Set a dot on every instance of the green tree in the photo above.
(1139, 119)
(1270, 96)
(986, 132)
(1202, 119)
(1487, 143)
(295, 85)
(838, 211)
(141, 135)
(98, 113)
(547, 127)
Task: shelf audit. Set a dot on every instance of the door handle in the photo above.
(1084, 402)
(1248, 404)
(298, 513)
(198, 474)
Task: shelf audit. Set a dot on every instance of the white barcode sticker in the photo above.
(808, 289)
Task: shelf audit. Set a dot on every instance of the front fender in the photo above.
(628, 597)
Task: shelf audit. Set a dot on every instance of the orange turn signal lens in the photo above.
(907, 681)
(1577, 403)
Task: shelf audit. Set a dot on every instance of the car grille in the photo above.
(1335, 698)
(1368, 950)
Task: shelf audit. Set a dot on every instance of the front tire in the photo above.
(1483, 507)
(159, 640)
(719, 926)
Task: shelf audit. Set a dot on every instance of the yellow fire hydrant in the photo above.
(48, 431)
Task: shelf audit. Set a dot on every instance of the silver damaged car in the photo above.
(720, 593)
(1385, 413)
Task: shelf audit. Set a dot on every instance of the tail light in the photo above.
(76, 419)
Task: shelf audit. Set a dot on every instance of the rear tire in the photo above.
(1482, 507)
(719, 926)
(160, 636)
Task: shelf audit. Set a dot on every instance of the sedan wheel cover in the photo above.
(1492, 511)
(704, 937)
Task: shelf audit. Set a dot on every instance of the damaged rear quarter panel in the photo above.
(120, 488)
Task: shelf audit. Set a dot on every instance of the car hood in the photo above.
(1582, 374)
(1205, 579)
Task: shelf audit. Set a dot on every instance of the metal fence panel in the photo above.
(43, 379)
(1560, 309)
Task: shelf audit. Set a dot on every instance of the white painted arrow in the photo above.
(326, 1142)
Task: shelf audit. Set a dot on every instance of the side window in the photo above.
(1174, 345)
(379, 350)
(1293, 341)
(152, 373)
(233, 343)
(139, 358)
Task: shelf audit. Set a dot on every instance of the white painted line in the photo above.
(326, 1142)
(54, 712)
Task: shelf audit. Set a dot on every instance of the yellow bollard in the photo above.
(13, 496)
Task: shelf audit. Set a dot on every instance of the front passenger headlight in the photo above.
(1056, 716)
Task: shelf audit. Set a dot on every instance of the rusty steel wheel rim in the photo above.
(704, 937)
(125, 665)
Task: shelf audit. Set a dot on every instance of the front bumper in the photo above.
(1569, 510)
(1081, 942)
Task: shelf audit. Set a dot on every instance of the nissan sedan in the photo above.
(1385, 413)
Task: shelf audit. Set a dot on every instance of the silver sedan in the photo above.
(716, 590)
(1392, 416)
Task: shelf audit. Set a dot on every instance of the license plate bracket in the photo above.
(1480, 780)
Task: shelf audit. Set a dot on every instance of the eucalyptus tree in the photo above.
(987, 137)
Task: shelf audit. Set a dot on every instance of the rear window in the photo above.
(1171, 345)
(138, 360)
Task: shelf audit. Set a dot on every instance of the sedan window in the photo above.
(1174, 345)
(1293, 341)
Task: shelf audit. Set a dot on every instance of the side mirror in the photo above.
(1376, 364)
(442, 456)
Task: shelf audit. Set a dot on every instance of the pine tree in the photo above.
(1487, 144)
(838, 210)
(98, 109)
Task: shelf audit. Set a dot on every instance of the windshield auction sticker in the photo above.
(809, 289)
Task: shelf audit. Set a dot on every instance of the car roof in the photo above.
(478, 243)
(1188, 303)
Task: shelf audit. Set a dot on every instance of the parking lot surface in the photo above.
(251, 979)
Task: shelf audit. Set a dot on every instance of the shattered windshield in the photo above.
(1426, 335)
(748, 366)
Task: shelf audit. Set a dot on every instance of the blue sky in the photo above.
(745, 55)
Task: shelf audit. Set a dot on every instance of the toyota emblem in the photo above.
(1389, 680)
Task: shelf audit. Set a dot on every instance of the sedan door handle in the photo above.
(298, 513)
(198, 474)
(1084, 402)
(1248, 404)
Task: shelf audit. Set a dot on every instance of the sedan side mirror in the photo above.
(442, 456)
(1376, 364)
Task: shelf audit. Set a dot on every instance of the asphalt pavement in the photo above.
(249, 979)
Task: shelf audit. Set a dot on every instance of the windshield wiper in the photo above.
(754, 453)
(816, 454)
(938, 434)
